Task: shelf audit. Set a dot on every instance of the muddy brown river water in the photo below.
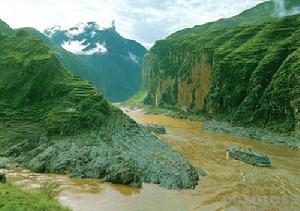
(230, 184)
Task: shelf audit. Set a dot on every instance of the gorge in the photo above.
(206, 119)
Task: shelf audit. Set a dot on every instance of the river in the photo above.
(230, 184)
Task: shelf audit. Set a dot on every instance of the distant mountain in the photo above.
(112, 63)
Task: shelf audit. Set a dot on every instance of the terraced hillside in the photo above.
(52, 121)
(247, 75)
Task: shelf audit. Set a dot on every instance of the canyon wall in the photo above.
(248, 74)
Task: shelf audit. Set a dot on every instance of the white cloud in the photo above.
(143, 20)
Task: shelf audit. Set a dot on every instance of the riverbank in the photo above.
(118, 151)
(253, 133)
(14, 198)
(258, 134)
(230, 184)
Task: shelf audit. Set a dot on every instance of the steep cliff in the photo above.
(247, 74)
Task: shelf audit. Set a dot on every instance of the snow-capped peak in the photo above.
(90, 27)
(84, 38)
(78, 47)
(78, 29)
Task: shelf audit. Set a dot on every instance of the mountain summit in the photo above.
(113, 63)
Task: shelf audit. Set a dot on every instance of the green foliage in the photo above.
(137, 100)
(255, 68)
(34, 84)
(13, 198)
(5, 29)
(50, 189)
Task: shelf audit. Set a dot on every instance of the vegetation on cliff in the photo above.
(246, 74)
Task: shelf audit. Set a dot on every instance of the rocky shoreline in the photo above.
(253, 133)
(122, 152)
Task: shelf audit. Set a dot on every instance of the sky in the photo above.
(143, 20)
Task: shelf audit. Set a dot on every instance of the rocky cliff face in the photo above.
(246, 74)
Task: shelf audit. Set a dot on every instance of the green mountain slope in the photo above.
(111, 62)
(52, 121)
(5, 29)
(263, 12)
(70, 61)
(246, 74)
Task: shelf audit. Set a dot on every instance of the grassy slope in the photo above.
(136, 100)
(13, 198)
(259, 14)
(5, 29)
(34, 86)
(72, 62)
(263, 12)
